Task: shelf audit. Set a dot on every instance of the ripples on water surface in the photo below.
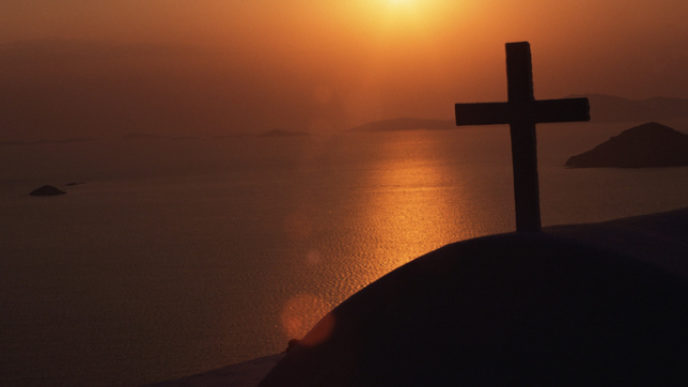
(181, 256)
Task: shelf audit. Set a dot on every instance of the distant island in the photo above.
(609, 108)
(604, 108)
(143, 136)
(138, 136)
(404, 123)
(648, 145)
(284, 133)
(51, 141)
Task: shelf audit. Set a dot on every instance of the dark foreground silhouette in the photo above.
(647, 145)
(513, 309)
(593, 304)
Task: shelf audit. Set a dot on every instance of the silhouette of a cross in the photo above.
(522, 112)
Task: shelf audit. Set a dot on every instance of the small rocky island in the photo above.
(47, 190)
(648, 145)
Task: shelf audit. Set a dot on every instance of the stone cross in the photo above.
(522, 112)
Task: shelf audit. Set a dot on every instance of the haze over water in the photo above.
(179, 256)
(92, 69)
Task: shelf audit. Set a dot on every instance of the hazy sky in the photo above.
(331, 63)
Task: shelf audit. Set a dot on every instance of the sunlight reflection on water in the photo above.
(409, 200)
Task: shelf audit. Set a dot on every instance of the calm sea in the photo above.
(180, 256)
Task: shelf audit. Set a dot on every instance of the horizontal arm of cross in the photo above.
(554, 110)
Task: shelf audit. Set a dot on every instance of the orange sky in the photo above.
(370, 59)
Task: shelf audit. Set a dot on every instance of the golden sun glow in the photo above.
(400, 2)
(418, 13)
(403, 5)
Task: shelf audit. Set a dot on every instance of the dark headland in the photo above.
(595, 304)
(648, 145)
(561, 307)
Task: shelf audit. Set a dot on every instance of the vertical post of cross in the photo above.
(523, 139)
(522, 112)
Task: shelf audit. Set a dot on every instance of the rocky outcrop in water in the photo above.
(47, 190)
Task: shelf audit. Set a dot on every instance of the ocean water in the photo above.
(177, 256)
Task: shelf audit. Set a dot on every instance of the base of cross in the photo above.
(522, 112)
